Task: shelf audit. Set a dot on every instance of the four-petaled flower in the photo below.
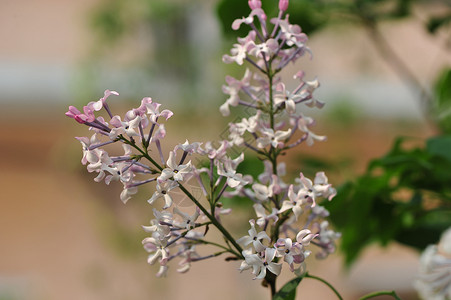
(261, 264)
(175, 170)
(162, 190)
(254, 238)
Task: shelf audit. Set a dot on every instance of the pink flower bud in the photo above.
(283, 5)
(254, 4)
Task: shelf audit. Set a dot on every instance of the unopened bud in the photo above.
(283, 5)
(253, 4)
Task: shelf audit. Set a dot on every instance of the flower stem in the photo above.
(215, 222)
(211, 243)
(377, 294)
(307, 275)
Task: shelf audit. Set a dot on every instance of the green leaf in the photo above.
(442, 101)
(440, 146)
(288, 291)
(436, 23)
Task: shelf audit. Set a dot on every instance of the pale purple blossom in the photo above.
(263, 217)
(275, 139)
(434, 279)
(174, 169)
(162, 191)
(255, 238)
(188, 221)
(260, 265)
(157, 249)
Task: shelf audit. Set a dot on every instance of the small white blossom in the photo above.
(434, 278)
(174, 170)
(254, 238)
(162, 190)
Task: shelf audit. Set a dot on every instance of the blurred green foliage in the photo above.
(313, 15)
(442, 101)
(288, 291)
(310, 15)
(403, 196)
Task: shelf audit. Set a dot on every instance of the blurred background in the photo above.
(384, 72)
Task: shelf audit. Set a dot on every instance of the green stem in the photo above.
(307, 275)
(213, 244)
(143, 153)
(215, 222)
(271, 101)
(381, 293)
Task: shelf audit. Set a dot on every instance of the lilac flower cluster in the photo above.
(288, 218)
(433, 281)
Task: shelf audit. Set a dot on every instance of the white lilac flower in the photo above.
(434, 279)
(284, 98)
(303, 124)
(264, 218)
(157, 249)
(140, 111)
(162, 271)
(174, 170)
(162, 231)
(237, 130)
(188, 222)
(238, 55)
(188, 255)
(254, 238)
(158, 135)
(320, 211)
(234, 179)
(153, 110)
(232, 89)
(244, 265)
(263, 192)
(292, 253)
(257, 11)
(100, 158)
(295, 202)
(239, 50)
(305, 236)
(266, 176)
(162, 190)
(265, 49)
(260, 265)
(307, 94)
(187, 147)
(292, 34)
(127, 192)
(116, 173)
(325, 239)
(88, 155)
(322, 187)
(155, 227)
(214, 153)
(98, 105)
(275, 139)
(240, 190)
(122, 127)
(307, 189)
